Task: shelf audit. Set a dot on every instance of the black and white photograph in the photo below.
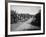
(25, 18)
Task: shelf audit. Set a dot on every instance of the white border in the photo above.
(24, 32)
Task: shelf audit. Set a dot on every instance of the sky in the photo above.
(26, 9)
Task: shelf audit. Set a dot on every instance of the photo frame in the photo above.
(21, 8)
